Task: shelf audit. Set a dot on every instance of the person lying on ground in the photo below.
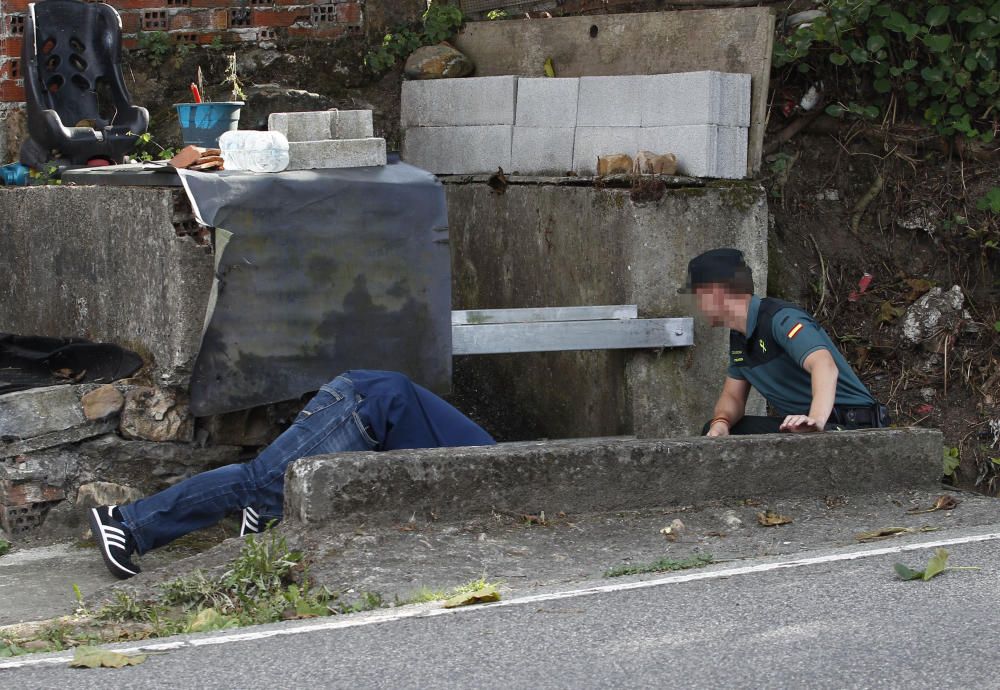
(358, 410)
(780, 350)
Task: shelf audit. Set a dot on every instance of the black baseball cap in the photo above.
(715, 266)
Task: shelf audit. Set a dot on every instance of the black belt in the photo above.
(875, 416)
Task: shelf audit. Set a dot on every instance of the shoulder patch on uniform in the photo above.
(795, 331)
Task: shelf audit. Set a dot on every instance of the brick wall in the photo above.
(195, 22)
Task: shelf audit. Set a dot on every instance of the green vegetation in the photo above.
(951, 461)
(439, 23)
(156, 44)
(661, 566)
(939, 58)
(4, 546)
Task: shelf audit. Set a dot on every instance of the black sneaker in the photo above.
(114, 540)
(251, 522)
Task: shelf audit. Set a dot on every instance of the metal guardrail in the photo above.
(497, 331)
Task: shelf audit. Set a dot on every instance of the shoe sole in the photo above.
(118, 570)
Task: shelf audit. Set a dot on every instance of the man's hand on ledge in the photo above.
(799, 423)
(718, 429)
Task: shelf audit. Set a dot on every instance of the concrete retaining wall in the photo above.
(105, 263)
(546, 245)
(598, 475)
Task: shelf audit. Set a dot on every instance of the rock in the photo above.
(104, 494)
(146, 465)
(264, 99)
(101, 403)
(156, 414)
(614, 164)
(39, 411)
(731, 521)
(935, 312)
(438, 62)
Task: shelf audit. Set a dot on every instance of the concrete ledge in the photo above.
(598, 475)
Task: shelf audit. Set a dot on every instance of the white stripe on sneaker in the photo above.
(107, 540)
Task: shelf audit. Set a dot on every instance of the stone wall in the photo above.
(66, 448)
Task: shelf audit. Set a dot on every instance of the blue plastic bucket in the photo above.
(203, 123)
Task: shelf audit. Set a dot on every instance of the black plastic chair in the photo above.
(78, 106)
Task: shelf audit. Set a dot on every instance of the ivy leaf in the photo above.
(838, 59)
(896, 22)
(936, 565)
(909, 64)
(907, 573)
(882, 85)
(938, 43)
(876, 43)
(937, 15)
(971, 15)
(835, 110)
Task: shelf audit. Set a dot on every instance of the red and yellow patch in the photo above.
(795, 331)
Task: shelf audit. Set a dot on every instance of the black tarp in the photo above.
(31, 361)
(326, 270)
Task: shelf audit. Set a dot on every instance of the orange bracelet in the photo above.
(719, 419)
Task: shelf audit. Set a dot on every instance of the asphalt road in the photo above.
(833, 622)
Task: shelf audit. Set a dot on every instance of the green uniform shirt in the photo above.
(780, 337)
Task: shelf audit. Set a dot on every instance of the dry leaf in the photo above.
(480, 596)
(885, 533)
(769, 518)
(943, 502)
(94, 657)
(674, 531)
(536, 519)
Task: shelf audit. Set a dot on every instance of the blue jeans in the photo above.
(328, 424)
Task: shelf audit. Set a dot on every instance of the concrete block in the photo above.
(611, 101)
(352, 124)
(455, 102)
(336, 153)
(542, 150)
(546, 102)
(307, 126)
(697, 98)
(591, 142)
(459, 150)
(701, 150)
(603, 475)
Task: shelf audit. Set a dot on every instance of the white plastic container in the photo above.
(254, 151)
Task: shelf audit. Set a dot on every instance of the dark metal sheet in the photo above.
(326, 270)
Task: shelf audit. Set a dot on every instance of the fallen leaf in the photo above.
(887, 532)
(209, 619)
(550, 69)
(918, 286)
(907, 573)
(674, 531)
(769, 518)
(943, 502)
(94, 657)
(480, 596)
(887, 312)
(936, 565)
(536, 519)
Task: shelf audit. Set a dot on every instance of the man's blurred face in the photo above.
(711, 302)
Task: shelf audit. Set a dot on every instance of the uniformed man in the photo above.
(780, 350)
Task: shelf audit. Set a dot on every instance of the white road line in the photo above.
(433, 609)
